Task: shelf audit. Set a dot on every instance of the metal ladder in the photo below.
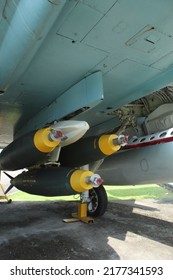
(4, 196)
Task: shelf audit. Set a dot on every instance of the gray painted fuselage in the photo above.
(153, 164)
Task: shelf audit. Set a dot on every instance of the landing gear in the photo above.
(98, 201)
(96, 205)
(93, 199)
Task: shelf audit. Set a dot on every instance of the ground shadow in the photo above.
(34, 230)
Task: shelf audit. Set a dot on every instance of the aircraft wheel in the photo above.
(98, 202)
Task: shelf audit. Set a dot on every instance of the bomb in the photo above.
(91, 149)
(35, 147)
(55, 181)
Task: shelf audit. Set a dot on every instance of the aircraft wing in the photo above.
(81, 70)
(49, 46)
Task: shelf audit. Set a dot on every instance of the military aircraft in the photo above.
(86, 95)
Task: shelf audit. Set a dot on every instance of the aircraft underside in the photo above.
(86, 95)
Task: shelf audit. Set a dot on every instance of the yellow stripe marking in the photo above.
(78, 180)
(42, 141)
(106, 144)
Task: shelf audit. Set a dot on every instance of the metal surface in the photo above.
(81, 215)
(153, 139)
(26, 29)
(4, 196)
(80, 97)
(48, 47)
(145, 165)
(35, 147)
(53, 181)
(90, 149)
(160, 119)
(83, 60)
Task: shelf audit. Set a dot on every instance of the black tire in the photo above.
(98, 203)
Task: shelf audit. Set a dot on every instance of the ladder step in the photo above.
(4, 196)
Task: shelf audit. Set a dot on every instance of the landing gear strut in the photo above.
(94, 206)
(93, 201)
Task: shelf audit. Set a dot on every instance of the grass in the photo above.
(113, 192)
(21, 196)
(138, 192)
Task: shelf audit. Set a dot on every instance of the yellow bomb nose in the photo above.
(79, 181)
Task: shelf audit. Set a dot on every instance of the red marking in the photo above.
(126, 139)
(150, 143)
(58, 134)
(99, 181)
